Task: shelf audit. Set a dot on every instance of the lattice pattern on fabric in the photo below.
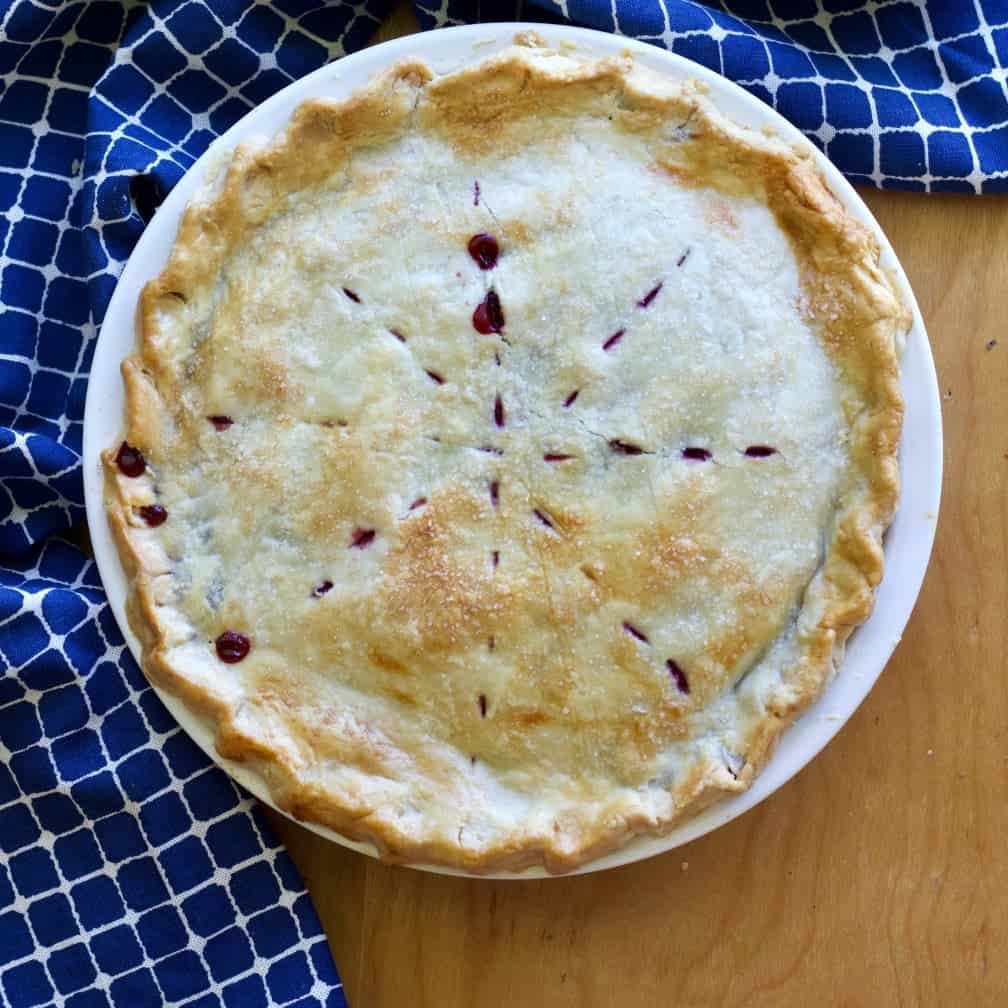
(132, 872)
(131, 868)
(900, 94)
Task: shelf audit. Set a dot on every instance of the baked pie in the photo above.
(507, 456)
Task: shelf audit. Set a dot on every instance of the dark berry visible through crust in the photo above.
(153, 514)
(649, 297)
(484, 250)
(696, 454)
(362, 538)
(232, 646)
(614, 339)
(625, 447)
(499, 411)
(635, 632)
(353, 295)
(319, 590)
(130, 460)
(489, 316)
(557, 457)
(482, 704)
(543, 519)
(760, 451)
(220, 421)
(569, 401)
(678, 676)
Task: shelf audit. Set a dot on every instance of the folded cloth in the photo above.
(900, 94)
(132, 872)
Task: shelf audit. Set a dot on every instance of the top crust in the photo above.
(494, 679)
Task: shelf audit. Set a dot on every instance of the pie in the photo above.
(507, 456)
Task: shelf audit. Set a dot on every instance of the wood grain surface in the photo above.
(878, 876)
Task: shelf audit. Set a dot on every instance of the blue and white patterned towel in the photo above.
(132, 872)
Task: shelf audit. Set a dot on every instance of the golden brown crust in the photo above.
(284, 735)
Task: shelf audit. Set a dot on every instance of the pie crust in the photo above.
(539, 545)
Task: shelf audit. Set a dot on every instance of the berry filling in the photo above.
(484, 250)
(153, 514)
(353, 295)
(543, 519)
(625, 447)
(649, 297)
(696, 454)
(130, 460)
(614, 339)
(499, 411)
(362, 538)
(488, 316)
(634, 632)
(319, 590)
(232, 646)
(678, 676)
(569, 401)
(220, 421)
(760, 451)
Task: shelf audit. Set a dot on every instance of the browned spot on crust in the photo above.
(404, 698)
(517, 232)
(529, 718)
(719, 214)
(386, 662)
(674, 172)
(430, 584)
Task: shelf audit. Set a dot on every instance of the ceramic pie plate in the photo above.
(907, 543)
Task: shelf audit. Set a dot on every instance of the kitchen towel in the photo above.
(132, 872)
(900, 94)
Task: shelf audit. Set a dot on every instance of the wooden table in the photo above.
(878, 876)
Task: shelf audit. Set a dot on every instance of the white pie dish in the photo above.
(908, 542)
